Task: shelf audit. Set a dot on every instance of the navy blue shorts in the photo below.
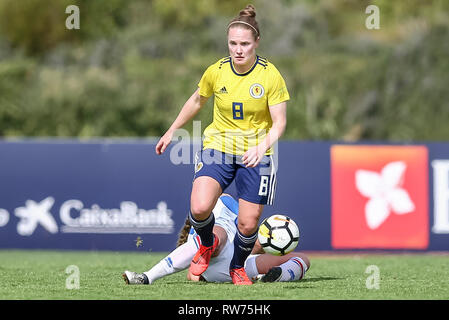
(256, 185)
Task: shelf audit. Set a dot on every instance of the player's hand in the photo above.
(164, 141)
(253, 156)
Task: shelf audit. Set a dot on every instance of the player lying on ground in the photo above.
(259, 265)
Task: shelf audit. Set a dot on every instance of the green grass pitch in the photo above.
(43, 275)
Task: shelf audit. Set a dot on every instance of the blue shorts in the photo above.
(256, 185)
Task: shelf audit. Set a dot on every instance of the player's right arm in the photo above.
(192, 106)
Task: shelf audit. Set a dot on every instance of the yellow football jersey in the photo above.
(241, 104)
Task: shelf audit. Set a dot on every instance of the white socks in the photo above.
(294, 269)
(177, 260)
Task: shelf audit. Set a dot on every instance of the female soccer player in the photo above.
(249, 117)
(259, 265)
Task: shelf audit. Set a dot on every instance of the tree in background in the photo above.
(131, 65)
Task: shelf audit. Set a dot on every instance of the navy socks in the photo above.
(243, 245)
(204, 229)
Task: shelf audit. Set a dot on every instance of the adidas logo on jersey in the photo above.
(223, 90)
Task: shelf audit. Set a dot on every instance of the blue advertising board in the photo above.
(119, 195)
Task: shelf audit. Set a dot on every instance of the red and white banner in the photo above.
(379, 197)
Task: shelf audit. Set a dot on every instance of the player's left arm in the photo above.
(278, 114)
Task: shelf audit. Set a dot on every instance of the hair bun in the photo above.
(249, 11)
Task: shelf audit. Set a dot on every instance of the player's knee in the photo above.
(247, 229)
(201, 209)
(306, 260)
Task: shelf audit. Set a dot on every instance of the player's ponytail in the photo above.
(247, 19)
(184, 233)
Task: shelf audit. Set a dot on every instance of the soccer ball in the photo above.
(278, 235)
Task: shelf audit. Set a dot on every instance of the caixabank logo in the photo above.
(379, 197)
